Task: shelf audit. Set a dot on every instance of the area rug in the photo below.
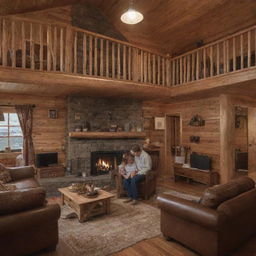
(107, 234)
(182, 195)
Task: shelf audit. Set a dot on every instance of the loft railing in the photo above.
(28, 44)
(61, 48)
(232, 53)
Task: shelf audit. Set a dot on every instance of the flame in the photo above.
(103, 165)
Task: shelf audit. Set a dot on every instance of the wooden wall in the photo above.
(208, 109)
(49, 135)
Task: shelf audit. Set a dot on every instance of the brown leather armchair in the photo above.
(146, 187)
(215, 226)
(27, 224)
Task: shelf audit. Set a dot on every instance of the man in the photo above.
(144, 164)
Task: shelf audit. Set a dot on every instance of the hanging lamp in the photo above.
(131, 16)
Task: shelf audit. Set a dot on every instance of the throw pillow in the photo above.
(5, 175)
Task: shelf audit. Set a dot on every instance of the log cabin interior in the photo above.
(83, 83)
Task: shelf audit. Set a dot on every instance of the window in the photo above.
(10, 133)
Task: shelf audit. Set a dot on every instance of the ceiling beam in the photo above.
(8, 7)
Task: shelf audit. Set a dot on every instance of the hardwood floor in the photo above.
(158, 246)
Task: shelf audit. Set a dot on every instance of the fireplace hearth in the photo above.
(102, 162)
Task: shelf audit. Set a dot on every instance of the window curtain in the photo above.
(25, 115)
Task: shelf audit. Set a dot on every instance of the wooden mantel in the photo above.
(107, 135)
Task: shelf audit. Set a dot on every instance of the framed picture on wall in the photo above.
(53, 113)
(159, 123)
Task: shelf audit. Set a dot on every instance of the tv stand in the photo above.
(50, 171)
(205, 177)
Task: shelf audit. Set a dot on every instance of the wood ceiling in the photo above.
(175, 26)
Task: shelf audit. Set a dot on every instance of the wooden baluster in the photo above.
(101, 57)
(158, 70)
(149, 68)
(185, 69)
(211, 61)
(227, 55)
(113, 60)
(75, 52)
(23, 47)
(197, 65)
(129, 62)
(48, 48)
(188, 67)
(249, 49)
(141, 66)
(168, 72)
(68, 50)
(107, 58)
(193, 67)
(154, 69)
(118, 62)
(41, 51)
(163, 72)
(90, 55)
(218, 59)
(242, 50)
(145, 68)
(177, 71)
(84, 54)
(224, 57)
(55, 38)
(135, 69)
(31, 50)
(124, 63)
(234, 53)
(4, 43)
(173, 72)
(181, 70)
(95, 56)
(204, 60)
(13, 45)
(61, 50)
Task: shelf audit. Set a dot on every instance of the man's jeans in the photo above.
(130, 185)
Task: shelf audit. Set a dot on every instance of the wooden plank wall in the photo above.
(49, 135)
(208, 109)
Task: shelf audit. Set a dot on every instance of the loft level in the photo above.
(57, 48)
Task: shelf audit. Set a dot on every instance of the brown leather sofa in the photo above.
(221, 221)
(27, 223)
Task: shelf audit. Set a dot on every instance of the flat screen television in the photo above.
(202, 162)
(46, 159)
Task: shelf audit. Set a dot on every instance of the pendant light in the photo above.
(131, 16)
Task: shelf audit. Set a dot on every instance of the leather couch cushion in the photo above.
(26, 183)
(5, 175)
(21, 200)
(215, 195)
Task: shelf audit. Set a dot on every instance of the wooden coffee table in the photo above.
(86, 207)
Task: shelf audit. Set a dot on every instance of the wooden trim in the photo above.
(107, 135)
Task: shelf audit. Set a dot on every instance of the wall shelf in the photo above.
(107, 135)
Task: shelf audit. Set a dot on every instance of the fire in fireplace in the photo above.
(102, 162)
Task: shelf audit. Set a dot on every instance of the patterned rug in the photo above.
(106, 234)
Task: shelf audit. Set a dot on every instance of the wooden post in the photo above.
(107, 58)
(101, 57)
(118, 62)
(113, 60)
(141, 66)
(23, 47)
(95, 68)
(90, 55)
(55, 38)
(154, 69)
(173, 72)
(84, 54)
(181, 71)
(218, 59)
(13, 45)
(211, 61)
(68, 48)
(185, 69)
(48, 48)
(227, 55)
(129, 62)
(224, 57)
(41, 51)
(31, 50)
(135, 65)
(124, 63)
(75, 53)
(197, 65)
(158, 69)
(242, 50)
(188, 67)
(61, 50)
(193, 67)
(234, 53)
(4, 44)
(227, 126)
(249, 49)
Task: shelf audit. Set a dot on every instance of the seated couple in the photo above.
(133, 168)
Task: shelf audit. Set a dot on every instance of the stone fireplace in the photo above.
(100, 114)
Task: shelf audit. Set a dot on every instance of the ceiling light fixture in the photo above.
(131, 16)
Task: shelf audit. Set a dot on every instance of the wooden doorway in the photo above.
(251, 140)
(173, 138)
